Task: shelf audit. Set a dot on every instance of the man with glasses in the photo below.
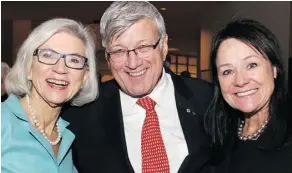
(147, 119)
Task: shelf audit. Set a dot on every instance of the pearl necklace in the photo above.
(38, 125)
(253, 136)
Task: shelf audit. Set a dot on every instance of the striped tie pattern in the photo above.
(154, 157)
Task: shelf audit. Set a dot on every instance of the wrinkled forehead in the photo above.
(144, 29)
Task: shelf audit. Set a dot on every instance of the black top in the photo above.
(261, 155)
(248, 158)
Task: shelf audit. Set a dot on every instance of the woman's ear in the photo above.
(29, 77)
(85, 77)
(275, 72)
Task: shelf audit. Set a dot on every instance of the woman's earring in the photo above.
(28, 77)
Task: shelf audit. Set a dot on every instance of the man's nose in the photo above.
(133, 61)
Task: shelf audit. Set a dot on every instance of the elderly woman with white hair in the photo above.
(55, 65)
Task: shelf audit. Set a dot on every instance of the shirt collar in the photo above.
(159, 90)
(156, 94)
(15, 106)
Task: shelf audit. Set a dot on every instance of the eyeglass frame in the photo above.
(154, 46)
(36, 53)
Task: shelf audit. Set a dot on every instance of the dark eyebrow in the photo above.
(247, 57)
(223, 65)
(251, 56)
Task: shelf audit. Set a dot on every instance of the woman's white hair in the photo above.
(5, 67)
(16, 80)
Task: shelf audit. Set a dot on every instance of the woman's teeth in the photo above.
(246, 93)
(57, 82)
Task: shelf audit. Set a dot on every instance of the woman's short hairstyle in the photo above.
(258, 37)
(17, 82)
(121, 15)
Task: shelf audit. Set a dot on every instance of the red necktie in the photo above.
(154, 157)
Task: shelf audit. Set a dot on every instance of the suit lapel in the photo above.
(192, 126)
(115, 131)
(186, 111)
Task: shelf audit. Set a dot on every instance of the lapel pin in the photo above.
(188, 110)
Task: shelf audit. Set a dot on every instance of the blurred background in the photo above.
(190, 27)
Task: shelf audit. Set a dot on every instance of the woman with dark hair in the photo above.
(249, 118)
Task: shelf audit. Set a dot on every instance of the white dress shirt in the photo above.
(172, 134)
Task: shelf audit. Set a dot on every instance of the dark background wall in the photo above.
(190, 25)
(6, 41)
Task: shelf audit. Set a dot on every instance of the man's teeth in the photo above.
(247, 92)
(57, 82)
(138, 73)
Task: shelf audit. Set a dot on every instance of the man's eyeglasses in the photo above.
(51, 57)
(141, 51)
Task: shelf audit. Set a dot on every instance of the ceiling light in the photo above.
(163, 9)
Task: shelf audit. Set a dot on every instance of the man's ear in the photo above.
(165, 46)
(108, 62)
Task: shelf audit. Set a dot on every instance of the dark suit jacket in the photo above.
(100, 144)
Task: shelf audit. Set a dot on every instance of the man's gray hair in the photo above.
(121, 15)
(16, 81)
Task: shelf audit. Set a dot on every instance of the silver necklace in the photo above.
(38, 125)
(253, 136)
